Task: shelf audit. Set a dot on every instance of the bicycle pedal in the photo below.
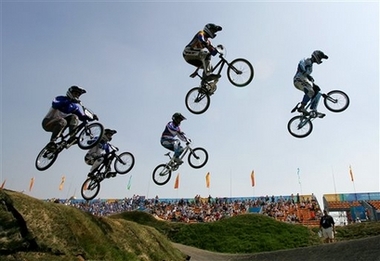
(313, 114)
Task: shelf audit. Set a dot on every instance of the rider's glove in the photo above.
(213, 51)
(95, 117)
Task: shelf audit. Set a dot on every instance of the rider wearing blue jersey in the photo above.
(171, 131)
(198, 52)
(64, 112)
(304, 82)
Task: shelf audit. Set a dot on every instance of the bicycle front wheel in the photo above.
(240, 72)
(198, 157)
(300, 126)
(197, 100)
(336, 101)
(90, 136)
(162, 174)
(45, 159)
(124, 162)
(90, 189)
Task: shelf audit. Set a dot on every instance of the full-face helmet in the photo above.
(318, 56)
(74, 92)
(108, 133)
(212, 29)
(177, 118)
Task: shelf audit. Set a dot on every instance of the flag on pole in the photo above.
(298, 174)
(62, 182)
(208, 180)
(129, 182)
(351, 174)
(2, 185)
(253, 178)
(31, 184)
(176, 183)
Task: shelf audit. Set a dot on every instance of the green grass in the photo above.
(248, 233)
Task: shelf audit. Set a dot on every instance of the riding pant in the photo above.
(58, 125)
(305, 85)
(173, 145)
(198, 57)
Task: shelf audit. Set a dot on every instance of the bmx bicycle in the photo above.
(197, 158)
(301, 126)
(122, 163)
(239, 72)
(81, 135)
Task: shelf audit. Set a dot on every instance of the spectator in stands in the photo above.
(327, 226)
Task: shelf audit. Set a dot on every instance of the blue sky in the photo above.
(128, 56)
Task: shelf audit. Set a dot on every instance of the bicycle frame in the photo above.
(64, 143)
(219, 67)
(172, 164)
(110, 158)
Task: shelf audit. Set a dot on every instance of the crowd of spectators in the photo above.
(209, 209)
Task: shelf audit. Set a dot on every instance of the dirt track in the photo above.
(354, 250)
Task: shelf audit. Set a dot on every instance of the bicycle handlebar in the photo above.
(113, 147)
(220, 49)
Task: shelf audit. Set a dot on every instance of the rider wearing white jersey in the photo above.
(304, 82)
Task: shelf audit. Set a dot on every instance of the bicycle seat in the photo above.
(167, 154)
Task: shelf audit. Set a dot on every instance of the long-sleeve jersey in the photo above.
(171, 131)
(304, 69)
(199, 41)
(102, 148)
(62, 106)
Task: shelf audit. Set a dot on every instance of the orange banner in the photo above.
(351, 174)
(208, 180)
(2, 185)
(253, 178)
(62, 182)
(31, 184)
(176, 183)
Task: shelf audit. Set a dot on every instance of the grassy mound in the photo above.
(248, 233)
(35, 230)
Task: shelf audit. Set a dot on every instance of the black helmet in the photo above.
(318, 56)
(212, 29)
(177, 118)
(76, 89)
(108, 134)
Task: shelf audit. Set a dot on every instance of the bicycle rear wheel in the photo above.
(124, 162)
(197, 100)
(240, 72)
(90, 136)
(45, 159)
(300, 126)
(198, 158)
(336, 101)
(162, 174)
(90, 189)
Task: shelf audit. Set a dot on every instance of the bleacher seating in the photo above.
(375, 204)
(341, 205)
(298, 209)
